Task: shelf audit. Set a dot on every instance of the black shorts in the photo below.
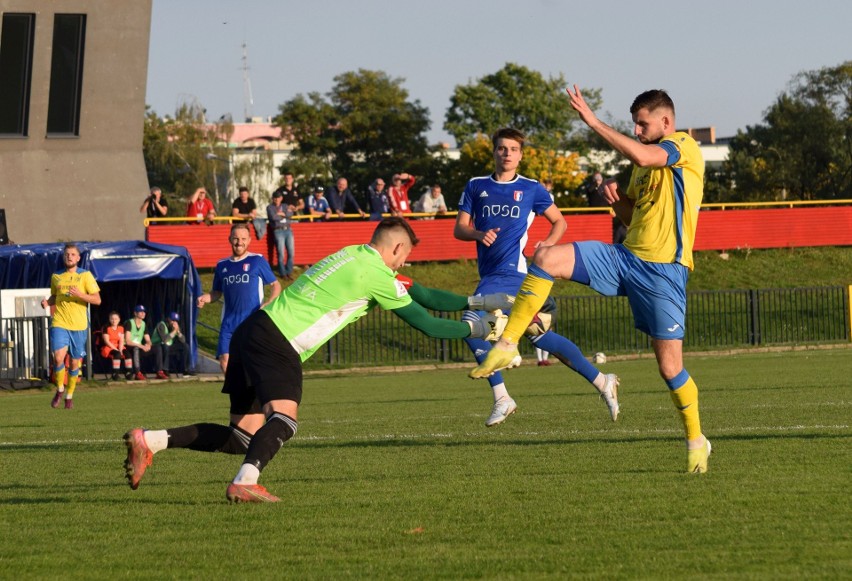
(262, 366)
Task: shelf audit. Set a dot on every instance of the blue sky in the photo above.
(723, 62)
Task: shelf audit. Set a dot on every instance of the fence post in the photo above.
(754, 317)
(849, 312)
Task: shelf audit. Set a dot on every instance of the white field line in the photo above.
(486, 435)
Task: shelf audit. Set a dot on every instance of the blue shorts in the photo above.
(503, 282)
(75, 341)
(656, 291)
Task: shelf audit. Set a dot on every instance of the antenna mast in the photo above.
(248, 100)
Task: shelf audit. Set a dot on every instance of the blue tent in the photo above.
(160, 276)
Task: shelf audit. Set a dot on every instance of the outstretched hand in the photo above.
(580, 106)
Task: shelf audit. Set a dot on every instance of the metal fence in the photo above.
(716, 320)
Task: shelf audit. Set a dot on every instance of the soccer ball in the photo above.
(599, 357)
(539, 325)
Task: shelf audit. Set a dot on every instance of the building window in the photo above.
(66, 74)
(16, 67)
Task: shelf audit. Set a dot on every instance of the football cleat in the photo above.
(503, 408)
(162, 374)
(69, 404)
(696, 460)
(115, 376)
(544, 363)
(57, 398)
(128, 375)
(248, 493)
(609, 394)
(140, 376)
(496, 360)
(139, 457)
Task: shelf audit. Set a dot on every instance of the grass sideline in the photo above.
(395, 476)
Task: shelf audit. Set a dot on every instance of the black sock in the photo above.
(268, 440)
(202, 437)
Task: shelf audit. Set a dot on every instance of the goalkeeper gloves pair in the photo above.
(489, 326)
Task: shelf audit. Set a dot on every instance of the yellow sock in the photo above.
(73, 375)
(685, 399)
(534, 291)
(59, 378)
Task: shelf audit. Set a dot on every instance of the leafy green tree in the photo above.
(516, 96)
(364, 128)
(802, 150)
(184, 153)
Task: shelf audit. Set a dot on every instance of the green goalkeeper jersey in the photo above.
(334, 292)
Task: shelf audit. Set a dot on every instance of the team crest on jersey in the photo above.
(246, 267)
(400, 288)
(518, 195)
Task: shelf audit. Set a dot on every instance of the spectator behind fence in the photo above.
(169, 342)
(341, 199)
(200, 207)
(398, 194)
(280, 217)
(292, 197)
(113, 347)
(318, 206)
(155, 205)
(431, 202)
(378, 199)
(137, 340)
(244, 208)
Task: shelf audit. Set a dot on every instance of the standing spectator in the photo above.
(167, 341)
(291, 194)
(318, 206)
(200, 207)
(292, 197)
(137, 340)
(113, 348)
(398, 194)
(72, 290)
(432, 202)
(155, 205)
(340, 198)
(280, 227)
(244, 209)
(378, 200)
(595, 194)
(240, 280)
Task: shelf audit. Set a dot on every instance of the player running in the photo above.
(496, 212)
(264, 376)
(72, 290)
(240, 279)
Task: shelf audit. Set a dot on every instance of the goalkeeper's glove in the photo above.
(489, 326)
(491, 302)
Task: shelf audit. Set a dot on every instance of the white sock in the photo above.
(600, 382)
(248, 474)
(499, 391)
(156, 440)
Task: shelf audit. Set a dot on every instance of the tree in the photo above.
(803, 149)
(186, 152)
(365, 128)
(516, 96)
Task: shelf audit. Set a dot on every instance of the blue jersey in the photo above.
(511, 207)
(241, 284)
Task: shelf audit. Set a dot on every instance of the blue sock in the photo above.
(565, 349)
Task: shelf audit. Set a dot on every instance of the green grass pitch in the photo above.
(395, 477)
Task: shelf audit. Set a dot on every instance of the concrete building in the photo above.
(72, 103)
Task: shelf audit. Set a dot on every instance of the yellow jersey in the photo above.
(71, 312)
(666, 203)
